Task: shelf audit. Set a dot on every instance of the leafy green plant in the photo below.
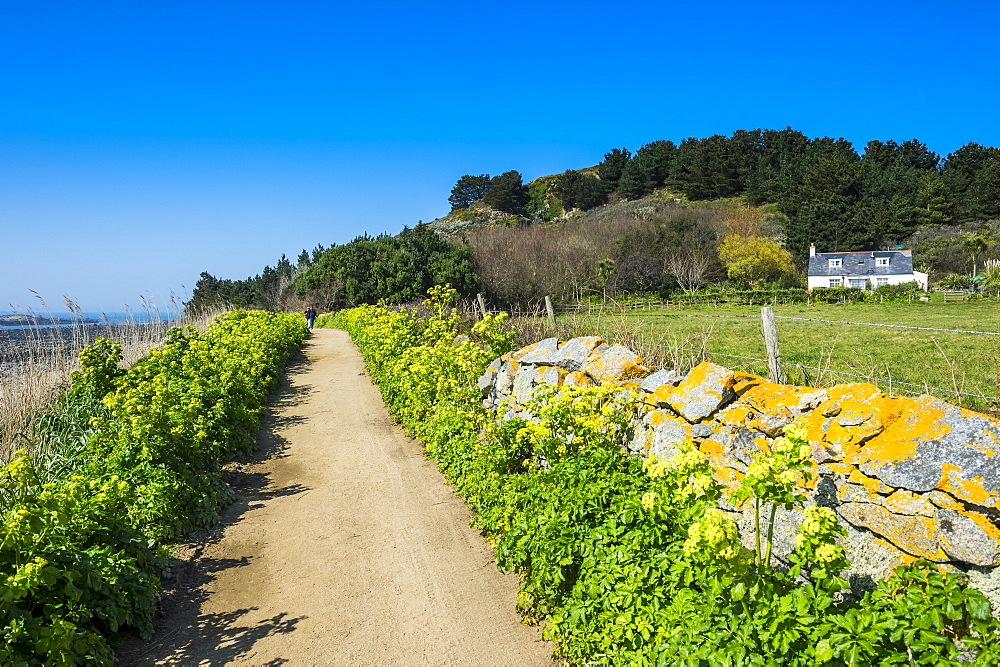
(73, 569)
(772, 479)
(633, 562)
(130, 459)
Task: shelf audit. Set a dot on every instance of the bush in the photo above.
(755, 297)
(955, 282)
(837, 295)
(140, 454)
(902, 293)
(630, 562)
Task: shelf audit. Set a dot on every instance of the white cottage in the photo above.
(866, 270)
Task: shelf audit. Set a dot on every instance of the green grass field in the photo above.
(962, 362)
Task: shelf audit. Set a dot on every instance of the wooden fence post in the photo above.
(552, 313)
(482, 305)
(771, 344)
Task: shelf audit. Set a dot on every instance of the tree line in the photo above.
(825, 188)
(649, 246)
(776, 191)
(368, 269)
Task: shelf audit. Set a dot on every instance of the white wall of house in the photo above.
(861, 281)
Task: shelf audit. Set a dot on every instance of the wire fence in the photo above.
(708, 353)
(890, 326)
(890, 384)
(693, 354)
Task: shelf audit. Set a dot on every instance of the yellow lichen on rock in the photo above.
(874, 485)
(711, 448)
(918, 419)
(614, 363)
(902, 501)
(578, 379)
(661, 396)
(743, 382)
(955, 482)
(769, 396)
(737, 414)
(916, 535)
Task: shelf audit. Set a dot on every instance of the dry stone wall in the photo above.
(908, 477)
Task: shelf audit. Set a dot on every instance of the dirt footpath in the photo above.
(344, 546)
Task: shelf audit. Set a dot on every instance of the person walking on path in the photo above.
(310, 316)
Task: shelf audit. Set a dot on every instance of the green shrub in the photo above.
(631, 562)
(837, 295)
(131, 458)
(902, 293)
(955, 282)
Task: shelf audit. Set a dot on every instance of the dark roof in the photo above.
(861, 263)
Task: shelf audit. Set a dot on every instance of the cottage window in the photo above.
(881, 282)
(834, 282)
(881, 261)
(835, 263)
(858, 283)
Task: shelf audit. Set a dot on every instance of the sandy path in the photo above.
(344, 546)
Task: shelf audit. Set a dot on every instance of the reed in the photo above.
(37, 361)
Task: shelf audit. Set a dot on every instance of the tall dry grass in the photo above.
(519, 266)
(37, 362)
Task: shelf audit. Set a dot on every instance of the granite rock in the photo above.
(661, 378)
(543, 352)
(706, 389)
(667, 431)
(572, 354)
(967, 540)
(935, 445)
(614, 363)
(913, 534)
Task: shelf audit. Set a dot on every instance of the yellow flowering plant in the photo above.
(816, 544)
(772, 478)
(717, 538)
(630, 562)
(686, 476)
(569, 420)
(131, 458)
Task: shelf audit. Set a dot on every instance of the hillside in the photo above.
(658, 220)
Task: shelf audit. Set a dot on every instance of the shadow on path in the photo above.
(184, 635)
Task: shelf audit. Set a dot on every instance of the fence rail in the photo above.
(598, 307)
(953, 297)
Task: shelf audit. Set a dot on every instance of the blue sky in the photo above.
(141, 145)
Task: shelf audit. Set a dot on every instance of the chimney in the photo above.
(812, 249)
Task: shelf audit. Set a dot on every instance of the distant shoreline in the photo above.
(20, 320)
(18, 343)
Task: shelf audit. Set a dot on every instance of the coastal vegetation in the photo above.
(39, 352)
(626, 562)
(366, 270)
(123, 461)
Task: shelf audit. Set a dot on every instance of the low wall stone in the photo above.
(908, 477)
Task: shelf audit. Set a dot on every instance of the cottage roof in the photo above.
(862, 263)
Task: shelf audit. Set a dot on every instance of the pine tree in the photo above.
(614, 164)
(507, 193)
(468, 190)
(632, 184)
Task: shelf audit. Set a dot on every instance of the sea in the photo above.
(15, 320)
